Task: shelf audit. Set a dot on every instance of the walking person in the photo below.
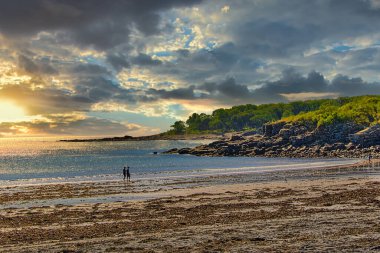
(124, 172)
(128, 174)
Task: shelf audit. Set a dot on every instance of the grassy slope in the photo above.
(363, 110)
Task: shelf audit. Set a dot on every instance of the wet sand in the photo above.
(322, 210)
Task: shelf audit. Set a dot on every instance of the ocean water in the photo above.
(39, 160)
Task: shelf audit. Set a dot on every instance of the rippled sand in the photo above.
(322, 210)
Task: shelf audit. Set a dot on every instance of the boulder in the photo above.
(236, 138)
(367, 137)
(217, 144)
(302, 139)
(267, 130)
(183, 151)
(258, 151)
(271, 129)
(171, 151)
(286, 133)
(337, 132)
(339, 146)
(249, 133)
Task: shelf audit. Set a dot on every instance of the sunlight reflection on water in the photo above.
(46, 158)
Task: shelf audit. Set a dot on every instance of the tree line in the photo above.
(363, 109)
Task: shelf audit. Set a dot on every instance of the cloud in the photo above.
(42, 66)
(309, 95)
(162, 57)
(97, 23)
(315, 85)
(257, 40)
(118, 61)
(73, 125)
(89, 69)
(145, 60)
(43, 101)
(180, 93)
(227, 88)
(290, 86)
(200, 65)
(346, 86)
(264, 29)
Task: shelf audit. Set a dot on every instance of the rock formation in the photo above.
(282, 139)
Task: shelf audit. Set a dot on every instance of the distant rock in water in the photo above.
(151, 138)
(297, 139)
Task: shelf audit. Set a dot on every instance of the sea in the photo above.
(47, 160)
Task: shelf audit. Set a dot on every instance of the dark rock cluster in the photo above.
(283, 139)
(368, 137)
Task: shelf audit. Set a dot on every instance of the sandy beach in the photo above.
(334, 209)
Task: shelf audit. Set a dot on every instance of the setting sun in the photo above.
(9, 112)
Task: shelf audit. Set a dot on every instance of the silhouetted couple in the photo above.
(126, 173)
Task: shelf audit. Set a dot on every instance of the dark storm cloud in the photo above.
(195, 67)
(277, 35)
(227, 88)
(274, 39)
(181, 93)
(258, 42)
(90, 69)
(266, 29)
(183, 52)
(102, 24)
(267, 37)
(118, 61)
(293, 83)
(365, 62)
(100, 89)
(41, 66)
(145, 60)
(353, 86)
(230, 92)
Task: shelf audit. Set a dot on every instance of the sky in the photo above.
(128, 67)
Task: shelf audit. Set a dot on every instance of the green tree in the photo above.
(179, 127)
(364, 110)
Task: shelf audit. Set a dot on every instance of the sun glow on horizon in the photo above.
(10, 112)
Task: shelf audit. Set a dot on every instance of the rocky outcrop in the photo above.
(283, 139)
(367, 137)
(272, 129)
(337, 132)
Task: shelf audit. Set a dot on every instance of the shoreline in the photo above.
(315, 163)
(280, 211)
(156, 137)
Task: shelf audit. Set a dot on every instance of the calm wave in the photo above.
(47, 159)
